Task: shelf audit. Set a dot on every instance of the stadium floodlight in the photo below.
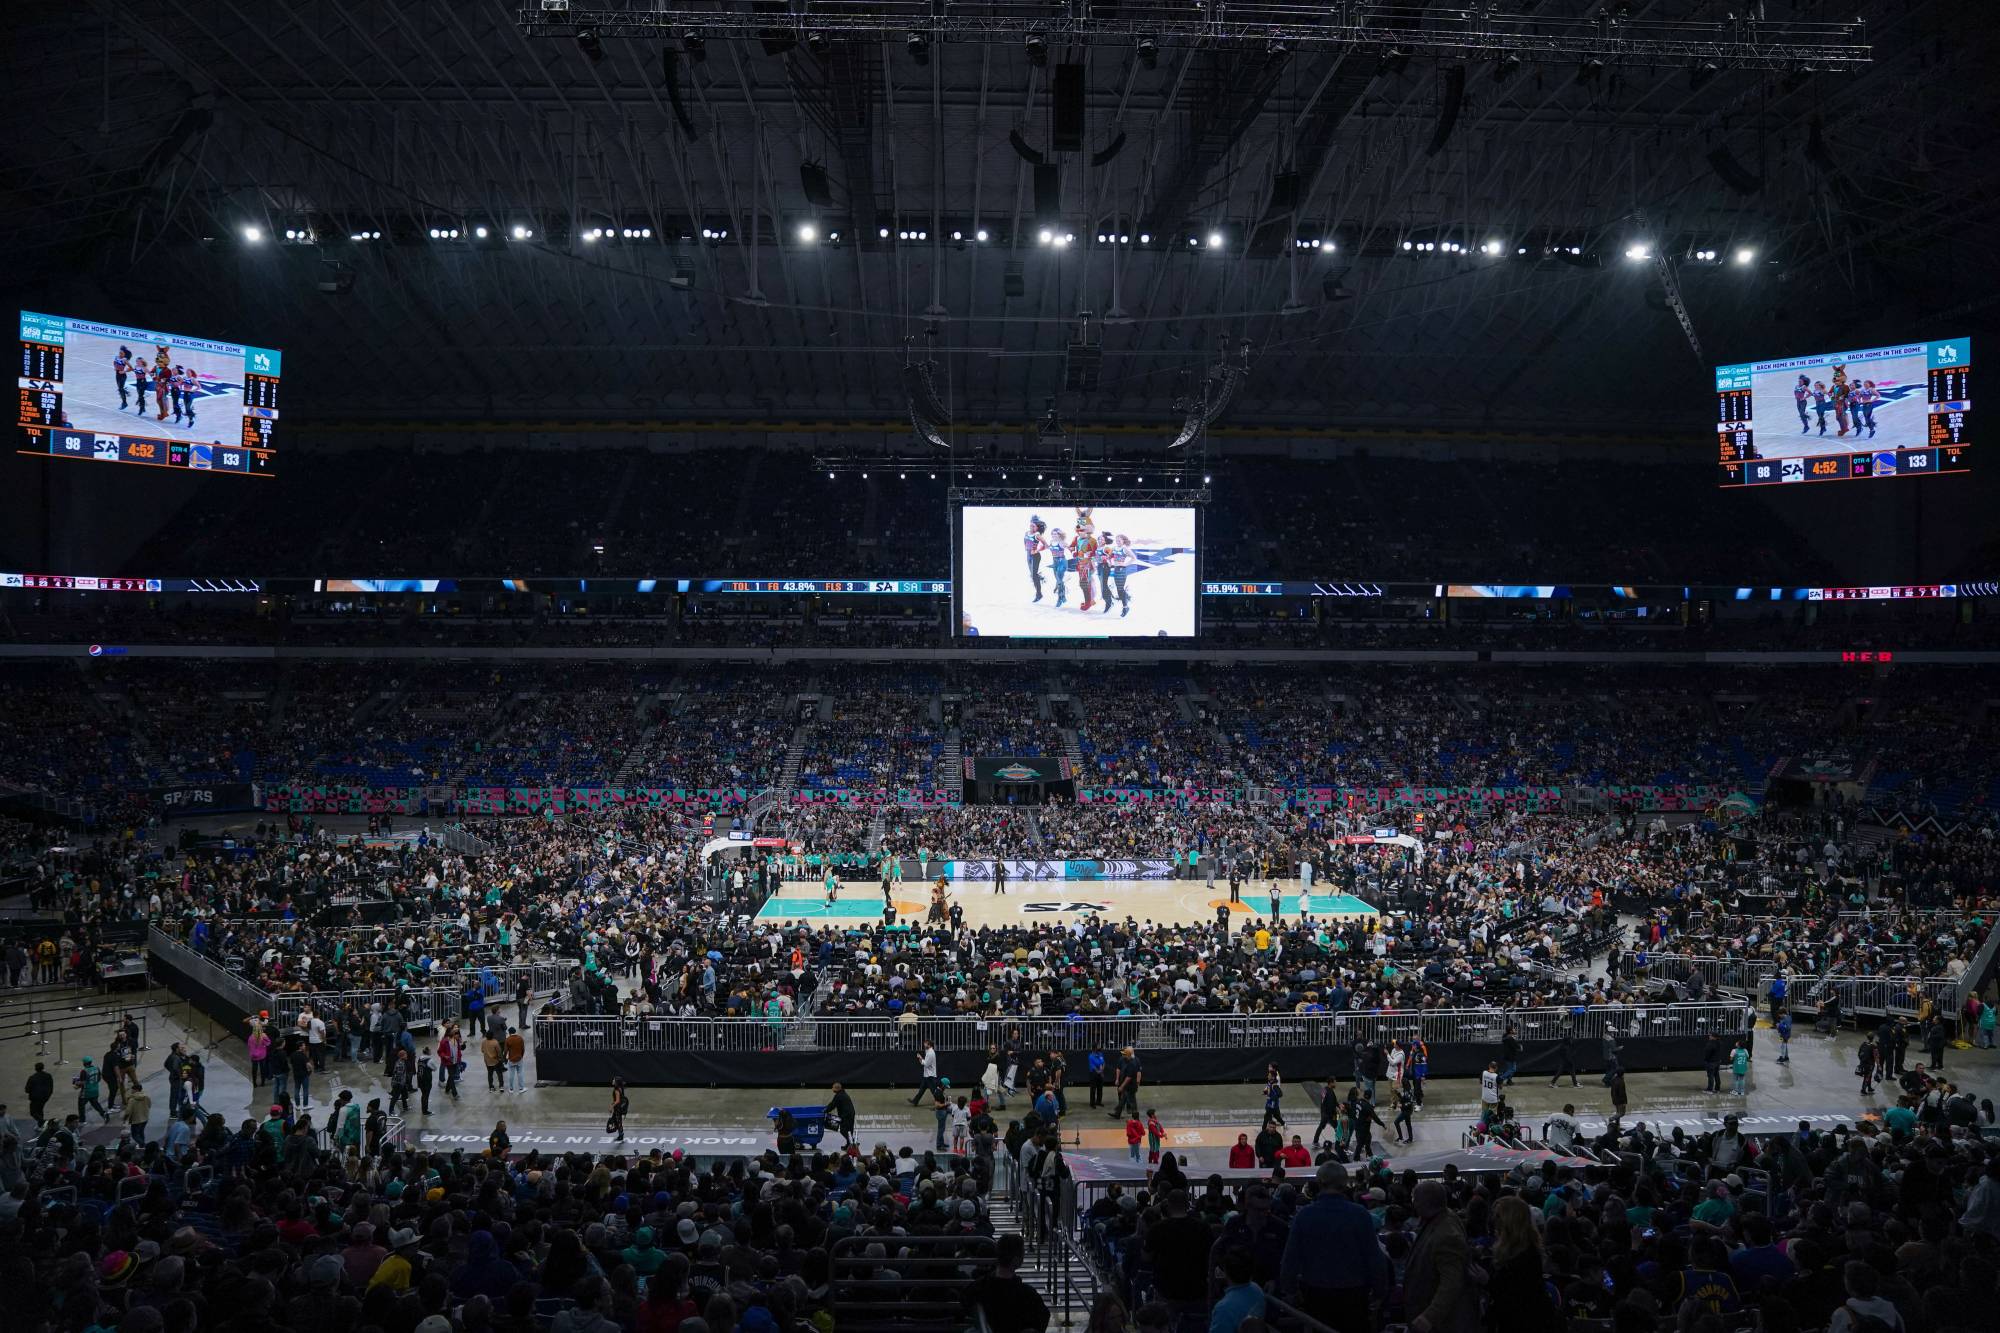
(1215, 240)
(1145, 238)
(480, 231)
(883, 233)
(595, 233)
(808, 233)
(829, 476)
(523, 232)
(1746, 255)
(1493, 247)
(1407, 245)
(1045, 236)
(980, 235)
(1639, 253)
(253, 234)
(957, 235)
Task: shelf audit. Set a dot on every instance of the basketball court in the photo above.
(1177, 902)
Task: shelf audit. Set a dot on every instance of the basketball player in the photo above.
(1800, 392)
(1032, 543)
(139, 380)
(120, 365)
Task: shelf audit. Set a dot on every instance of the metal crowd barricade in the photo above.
(237, 989)
(1877, 995)
(1742, 976)
(823, 1034)
(429, 1007)
(920, 1285)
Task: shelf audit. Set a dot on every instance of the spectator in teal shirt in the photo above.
(1243, 1300)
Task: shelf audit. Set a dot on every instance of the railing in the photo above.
(1876, 995)
(458, 840)
(587, 1032)
(1977, 970)
(428, 1008)
(1751, 977)
(236, 989)
(1742, 976)
(927, 1291)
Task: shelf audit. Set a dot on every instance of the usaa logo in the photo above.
(260, 361)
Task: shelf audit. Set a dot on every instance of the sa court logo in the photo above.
(1094, 909)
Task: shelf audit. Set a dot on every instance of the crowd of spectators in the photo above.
(1865, 1228)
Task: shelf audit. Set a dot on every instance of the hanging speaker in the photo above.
(1048, 192)
(812, 180)
(1284, 193)
(1733, 173)
(1451, 94)
(1067, 131)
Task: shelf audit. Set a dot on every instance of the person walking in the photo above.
(1366, 1122)
(1711, 1063)
(1785, 1037)
(840, 1113)
(89, 1084)
(41, 1086)
(621, 1104)
(1406, 1106)
(1130, 1076)
(1565, 1060)
(1864, 1065)
(1274, 1095)
(138, 1109)
(1739, 1069)
(1329, 1110)
(927, 1074)
(426, 1079)
(399, 1082)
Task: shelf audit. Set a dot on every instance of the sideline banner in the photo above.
(1065, 871)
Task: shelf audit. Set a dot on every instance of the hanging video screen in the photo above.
(1877, 412)
(112, 393)
(1066, 571)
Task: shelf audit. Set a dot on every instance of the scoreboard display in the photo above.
(110, 393)
(1878, 412)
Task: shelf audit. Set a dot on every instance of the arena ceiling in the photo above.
(147, 138)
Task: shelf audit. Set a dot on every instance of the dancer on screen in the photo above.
(1059, 564)
(1032, 542)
